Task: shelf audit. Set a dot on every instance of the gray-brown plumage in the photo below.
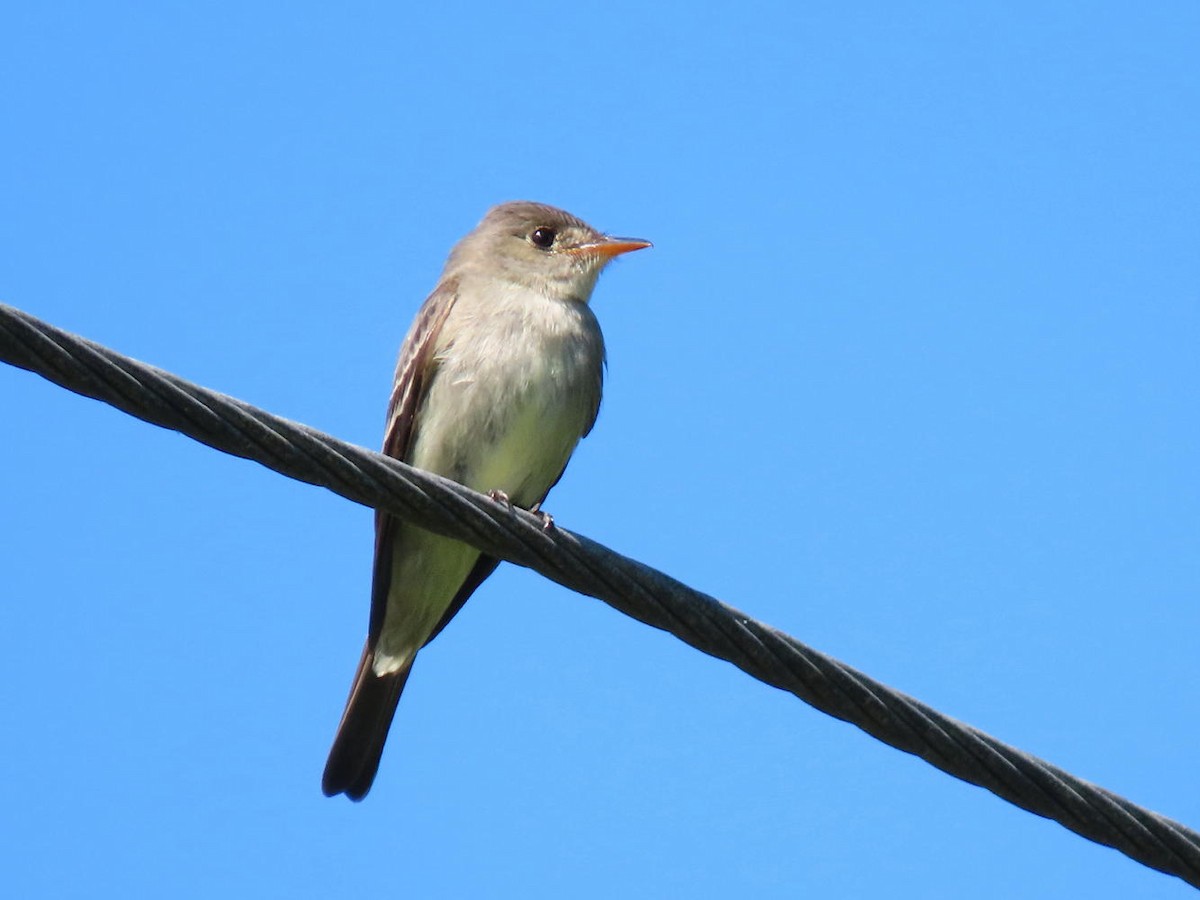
(498, 379)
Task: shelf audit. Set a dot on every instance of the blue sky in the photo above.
(910, 374)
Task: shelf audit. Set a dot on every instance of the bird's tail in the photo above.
(354, 758)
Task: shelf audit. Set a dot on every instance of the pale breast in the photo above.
(517, 385)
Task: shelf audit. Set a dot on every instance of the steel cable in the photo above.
(576, 562)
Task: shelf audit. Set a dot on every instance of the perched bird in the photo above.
(498, 379)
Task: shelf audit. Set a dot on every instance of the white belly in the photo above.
(512, 396)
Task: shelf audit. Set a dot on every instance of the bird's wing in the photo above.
(414, 372)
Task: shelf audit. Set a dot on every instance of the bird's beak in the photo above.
(608, 247)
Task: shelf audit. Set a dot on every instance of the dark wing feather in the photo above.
(358, 745)
(414, 370)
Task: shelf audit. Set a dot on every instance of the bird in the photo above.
(498, 379)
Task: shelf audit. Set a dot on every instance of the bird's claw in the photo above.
(547, 519)
(544, 517)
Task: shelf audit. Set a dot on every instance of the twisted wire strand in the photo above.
(574, 561)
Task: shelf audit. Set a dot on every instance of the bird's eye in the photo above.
(543, 237)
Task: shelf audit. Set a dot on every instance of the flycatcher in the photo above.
(498, 379)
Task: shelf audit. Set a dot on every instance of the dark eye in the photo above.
(543, 237)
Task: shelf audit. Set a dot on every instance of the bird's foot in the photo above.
(547, 519)
(500, 497)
